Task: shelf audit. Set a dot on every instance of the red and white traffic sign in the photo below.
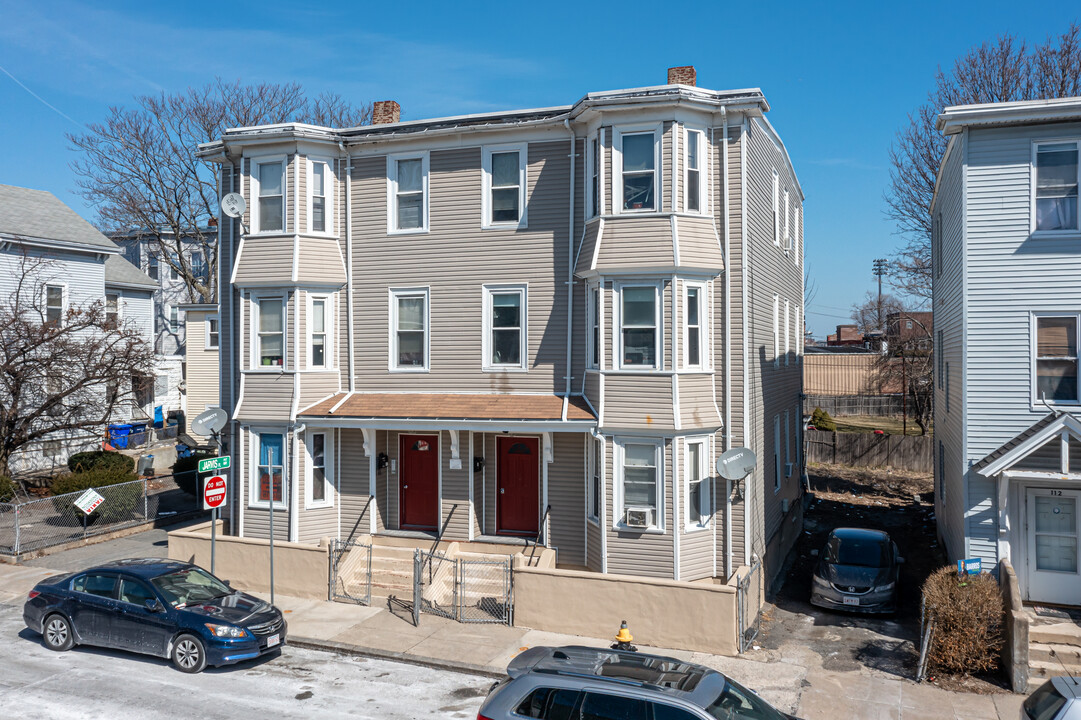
(214, 491)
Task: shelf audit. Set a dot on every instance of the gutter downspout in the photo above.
(570, 266)
(294, 485)
(748, 482)
(727, 289)
(348, 228)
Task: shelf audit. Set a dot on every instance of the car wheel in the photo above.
(188, 654)
(57, 634)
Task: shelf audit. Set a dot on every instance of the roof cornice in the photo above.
(952, 120)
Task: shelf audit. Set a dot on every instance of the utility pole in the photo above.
(880, 266)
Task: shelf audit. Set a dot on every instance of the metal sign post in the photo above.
(215, 490)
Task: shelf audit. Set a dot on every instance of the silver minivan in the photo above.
(1057, 699)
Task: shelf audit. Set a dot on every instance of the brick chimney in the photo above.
(386, 111)
(684, 75)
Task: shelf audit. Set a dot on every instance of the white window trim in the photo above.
(486, 196)
(797, 234)
(392, 192)
(523, 339)
(254, 447)
(329, 486)
(787, 442)
(690, 525)
(329, 193)
(592, 212)
(170, 310)
(63, 299)
(658, 526)
(119, 305)
(776, 209)
(703, 334)
(617, 167)
(254, 181)
(797, 336)
(617, 326)
(787, 337)
(703, 170)
(206, 333)
(1037, 402)
(174, 260)
(1032, 189)
(787, 223)
(777, 454)
(328, 330)
(593, 316)
(253, 342)
(596, 448)
(776, 331)
(392, 358)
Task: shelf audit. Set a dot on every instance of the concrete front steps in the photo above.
(392, 573)
(1054, 650)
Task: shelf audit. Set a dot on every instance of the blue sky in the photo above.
(840, 77)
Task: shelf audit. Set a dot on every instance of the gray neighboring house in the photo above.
(1007, 308)
(86, 267)
(170, 322)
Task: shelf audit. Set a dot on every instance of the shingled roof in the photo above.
(40, 215)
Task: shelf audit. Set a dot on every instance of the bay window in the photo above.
(693, 187)
(594, 177)
(639, 480)
(1056, 182)
(638, 170)
(318, 327)
(270, 215)
(639, 326)
(692, 328)
(320, 197)
(269, 485)
(596, 468)
(271, 332)
(593, 309)
(697, 489)
(1056, 359)
(409, 330)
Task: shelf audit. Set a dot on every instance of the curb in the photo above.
(405, 657)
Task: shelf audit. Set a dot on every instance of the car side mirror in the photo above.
(227, 584)
(154, 605)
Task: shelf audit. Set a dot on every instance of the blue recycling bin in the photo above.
(159, 417)
(118, 435)
(138, 434)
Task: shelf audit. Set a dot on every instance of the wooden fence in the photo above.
(906, 452)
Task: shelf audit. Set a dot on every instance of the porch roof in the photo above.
(1025, 443)
(452, 407)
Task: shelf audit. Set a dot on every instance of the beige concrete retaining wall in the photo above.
(1015, 628)
(299, 570)
(662, 613)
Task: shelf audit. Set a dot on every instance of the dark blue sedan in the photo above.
(154, 606)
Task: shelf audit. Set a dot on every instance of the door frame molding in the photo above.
(542, 481)
(438, 479)
(1028, 550)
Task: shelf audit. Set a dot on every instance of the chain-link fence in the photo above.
(484, 591)
(435, 584)
(56, 520)
(351, 572)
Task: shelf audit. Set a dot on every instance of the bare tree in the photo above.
(139, 169)
(866, 314)
(62, 371)
(1003, 70)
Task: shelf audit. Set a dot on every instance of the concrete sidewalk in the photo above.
(791, 681)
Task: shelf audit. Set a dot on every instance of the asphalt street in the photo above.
(88, 683)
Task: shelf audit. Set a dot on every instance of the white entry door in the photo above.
(1052, 567)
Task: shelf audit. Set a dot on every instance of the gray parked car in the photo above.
(581, 683)
(857, 570)
(1057, 699)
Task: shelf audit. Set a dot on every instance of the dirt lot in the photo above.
(902, 504)
(867, 423)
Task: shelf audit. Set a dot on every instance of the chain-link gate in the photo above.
(435, 586)
(749, 606)
(351, 572)
(484, 591)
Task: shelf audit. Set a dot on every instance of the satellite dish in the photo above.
(736, 463)
(210, 421)
(233, 205)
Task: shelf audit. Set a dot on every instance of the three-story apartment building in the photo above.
(544, 323)
(1007, 308)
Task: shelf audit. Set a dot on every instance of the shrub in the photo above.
(101, 460)
(7, 488)
(966, 612)
(79, 481)
(822, 420)
(118, 506)
(184, 472)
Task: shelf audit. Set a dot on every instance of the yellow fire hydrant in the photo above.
(624, 639)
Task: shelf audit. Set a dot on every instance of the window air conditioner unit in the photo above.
(789, 468)
(639, 517)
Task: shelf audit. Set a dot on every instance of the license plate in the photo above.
(273, 640)
(849, 600)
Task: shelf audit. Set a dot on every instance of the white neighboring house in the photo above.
(1007, 307)
(171, 297)
(86, 267)
(201, 363)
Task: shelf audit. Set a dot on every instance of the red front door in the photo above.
(418, 481)
(518, 499)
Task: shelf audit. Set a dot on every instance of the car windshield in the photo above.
(738, 703)
(863, 552)
(185, 587)
(1044, 704)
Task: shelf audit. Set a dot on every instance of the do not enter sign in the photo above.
(214, 491)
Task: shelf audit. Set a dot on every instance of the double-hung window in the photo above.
(776, 209)
(640, 480)
(112, 309)
(797, 234)
(54, 304)
(270, 471)
(596, 468)
(787, 224)
(270, 177)
(1056, 359)
(320, 486)
(504, 186)
(212, 333)
(638, 171)
(174, 263)
(639, 330)
(697, 489)
(593, 309)
(776, 330)
(594, 176)
(198, 266)
(271, 332)
(409, 330)
(152, 263)
(693, 187)
(320, 197)
(693, 338)
(787, 346)
(319, 324)
(504, 343)
(1056, 182)
(408, 193)
(174, 319)
(776, 453)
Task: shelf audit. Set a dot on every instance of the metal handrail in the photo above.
(438, 538)
(540, 529)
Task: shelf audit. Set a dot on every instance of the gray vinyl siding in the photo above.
(454, 260)
(267, 396)
(454, 485)
(588, 247)
(257, 519)
(640, 553)
(566, 495)
(320, 261)
(610, 194)
(265, 260)
(664, 192)
(635, 242)
(949, 326)
(354, 484)
(316, 523)
(592, 389)
(638, 401)
(315, 386)
(699, 243)
(696, 546)
(697, 408)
